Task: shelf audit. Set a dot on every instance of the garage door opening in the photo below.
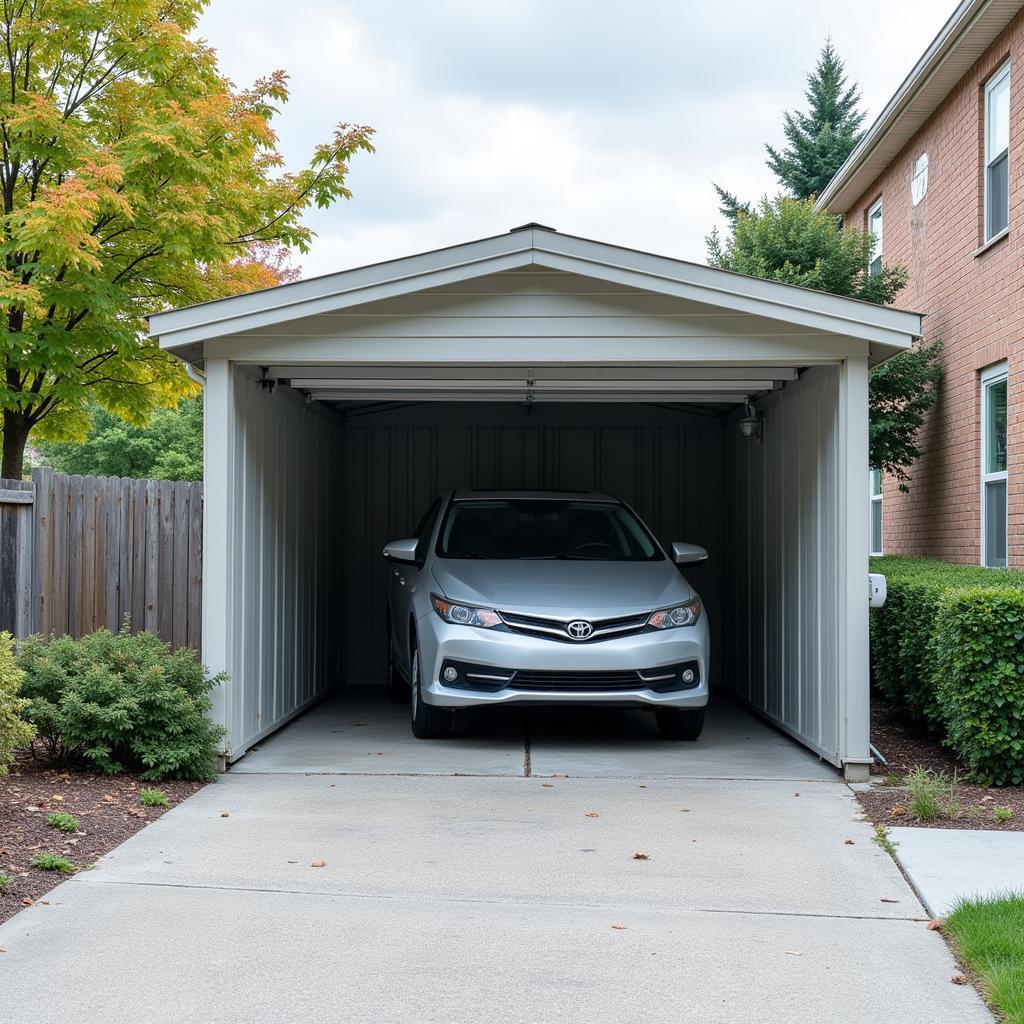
(729, 412)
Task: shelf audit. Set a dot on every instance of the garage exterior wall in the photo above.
(272, 491)
(785, 556)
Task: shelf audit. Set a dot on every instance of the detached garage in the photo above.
(729, 411)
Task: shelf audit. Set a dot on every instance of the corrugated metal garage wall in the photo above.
(665, 463)
(285, 547)
(784, 560)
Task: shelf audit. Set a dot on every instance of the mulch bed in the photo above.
(905, 745)
(107, 808)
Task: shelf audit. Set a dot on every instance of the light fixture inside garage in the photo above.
(752, 424)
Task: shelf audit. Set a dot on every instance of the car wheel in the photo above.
(428, 722)
(680, 723)
(398, 688)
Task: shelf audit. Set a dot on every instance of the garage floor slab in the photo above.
(357, 732)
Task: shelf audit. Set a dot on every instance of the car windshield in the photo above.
(531, 528)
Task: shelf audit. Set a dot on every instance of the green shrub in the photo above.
(933, 795)
(14, 730)
(979, 660)
(6, 881)
(121, 702)
(53, 862)
(65, 822)
(153, 798)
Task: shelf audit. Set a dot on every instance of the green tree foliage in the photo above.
(14, 730)
(169, 447)
(788, 240)
(819, 141)
(133, 175)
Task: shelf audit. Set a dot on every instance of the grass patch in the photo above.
(53, 862)
(153, 798)
(63, 821)
(1002, 814)
(933, 795)
(989, 937)
(881, 837)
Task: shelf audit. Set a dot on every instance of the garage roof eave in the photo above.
(185, 331)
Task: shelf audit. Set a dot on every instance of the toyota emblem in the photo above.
(579, 630)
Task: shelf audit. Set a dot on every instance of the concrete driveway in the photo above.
(469, 881)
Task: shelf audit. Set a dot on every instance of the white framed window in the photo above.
(997, 152)
(875, 546)
(875, 230)
(993, 466)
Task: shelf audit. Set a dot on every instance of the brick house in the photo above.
(939, 179)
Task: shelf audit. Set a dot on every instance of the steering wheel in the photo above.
(600, 545)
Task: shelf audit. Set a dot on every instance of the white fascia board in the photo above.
(967, 33)
(865, 321)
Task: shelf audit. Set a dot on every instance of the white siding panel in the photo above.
(284, 552)
(784, 561)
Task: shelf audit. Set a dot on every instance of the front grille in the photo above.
(664, 679)
(557, 629)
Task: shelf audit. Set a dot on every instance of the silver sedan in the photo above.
(543, 597)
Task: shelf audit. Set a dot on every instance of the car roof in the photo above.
(468, 494)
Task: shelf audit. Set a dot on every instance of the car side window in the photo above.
(425, 529)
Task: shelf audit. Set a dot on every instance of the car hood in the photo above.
(564, 587)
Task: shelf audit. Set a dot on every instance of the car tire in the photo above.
(398, 689)
(428, 722)
(680, 723)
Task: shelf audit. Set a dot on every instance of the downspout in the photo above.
(197, 375)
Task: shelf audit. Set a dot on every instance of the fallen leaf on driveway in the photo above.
(592, 814)
(958, 979)
(934, 924)
(641, 856)
(849, 842)
(318, 864)
(796, 794)
(792, 952)
(618, 927)
(548, 785)
(684, 809)
(885, 900)
(224, 814)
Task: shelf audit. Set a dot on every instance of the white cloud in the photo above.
(490, 114)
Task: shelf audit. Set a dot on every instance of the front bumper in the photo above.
(440, 641)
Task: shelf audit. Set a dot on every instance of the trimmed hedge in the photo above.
(947, 649)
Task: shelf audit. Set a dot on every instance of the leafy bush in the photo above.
(946, 649)
(53, 862)
(153, 798)
(65, 822)
(121, 702)
(14, 730)
(979, 659)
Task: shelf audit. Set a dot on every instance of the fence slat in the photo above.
(85, 552)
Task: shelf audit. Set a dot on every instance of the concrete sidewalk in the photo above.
(480, 899)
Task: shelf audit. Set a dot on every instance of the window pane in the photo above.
(876, 482)
(995, 427)
(875, 229)
(876, 527)
(998, 127)
(996, 196)
(995, 523)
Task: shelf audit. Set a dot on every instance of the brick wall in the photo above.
(974, 302)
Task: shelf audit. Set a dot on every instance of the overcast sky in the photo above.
(607, 120)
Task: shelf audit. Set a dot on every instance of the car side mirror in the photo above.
(688, 554)
(403, 551)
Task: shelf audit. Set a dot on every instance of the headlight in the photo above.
(682, 615)
(465, 614)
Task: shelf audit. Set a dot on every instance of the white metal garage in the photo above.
(336, 407)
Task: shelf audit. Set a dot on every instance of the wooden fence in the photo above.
(81, 552)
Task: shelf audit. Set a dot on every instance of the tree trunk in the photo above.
(15, 438)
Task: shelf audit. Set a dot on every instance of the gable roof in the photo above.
(533, 245)
(967, 34)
